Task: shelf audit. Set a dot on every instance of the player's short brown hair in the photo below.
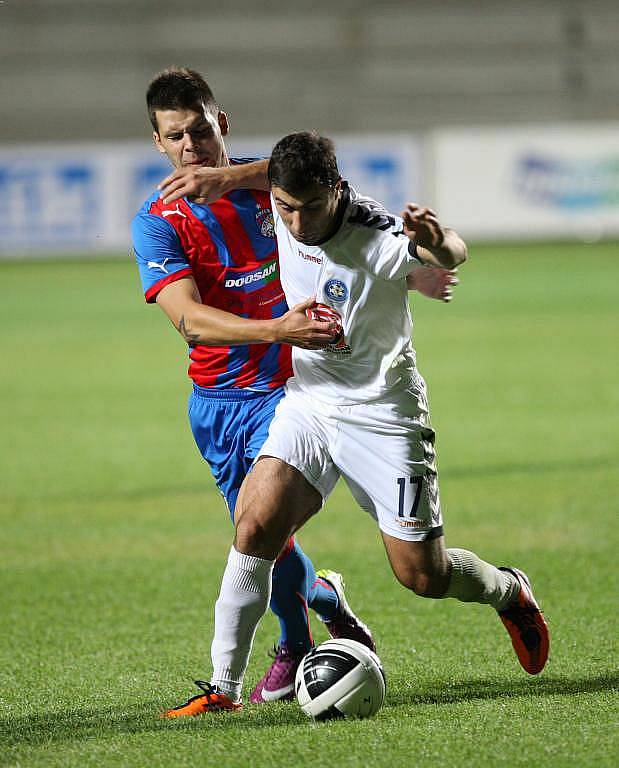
(177, 88)
(300, 160)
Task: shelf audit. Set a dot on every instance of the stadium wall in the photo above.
(76, 69)
(527, 183)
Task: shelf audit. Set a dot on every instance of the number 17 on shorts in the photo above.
(418, 504)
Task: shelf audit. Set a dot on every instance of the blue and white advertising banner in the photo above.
(531, 182)
(64, 199)
(73, 199)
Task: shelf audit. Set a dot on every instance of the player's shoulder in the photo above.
(145, 209)
(368, 214)
(154, 219)
(155, 211)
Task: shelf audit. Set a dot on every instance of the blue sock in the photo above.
(294, 588)
(323, 599)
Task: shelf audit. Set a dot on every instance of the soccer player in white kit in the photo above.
(355, 409)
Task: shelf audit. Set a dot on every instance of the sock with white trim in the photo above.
(243, 600)
(475, 581)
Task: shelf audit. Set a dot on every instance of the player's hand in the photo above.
(433, 282)
(299, 330)
(200, 183)
(437, 245)
(422, 226)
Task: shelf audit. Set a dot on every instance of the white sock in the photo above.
(243, 599)
(475, 581)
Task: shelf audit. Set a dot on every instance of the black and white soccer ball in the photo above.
(340, 678)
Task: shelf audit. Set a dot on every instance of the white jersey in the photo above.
(360, 272)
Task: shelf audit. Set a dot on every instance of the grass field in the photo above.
(114, 538)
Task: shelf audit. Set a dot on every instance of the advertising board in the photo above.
(64, 199)
(530, 182)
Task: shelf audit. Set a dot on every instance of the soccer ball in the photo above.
(340, 678)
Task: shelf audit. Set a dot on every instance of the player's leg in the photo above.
(216, 419)
(431, 570)
(389, 465)
(302, 443)
(288, 483)
(296, 587)
(274, 501)
(294, 584)
(226, 426)
(229, 429)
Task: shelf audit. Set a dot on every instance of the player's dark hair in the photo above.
(301, 160)
(177, 88)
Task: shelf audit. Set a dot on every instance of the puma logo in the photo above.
(156, 265)
(176, 212)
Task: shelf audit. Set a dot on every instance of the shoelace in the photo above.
(208, 689)
(282, 654)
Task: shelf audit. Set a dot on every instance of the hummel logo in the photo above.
(176, 212)
(309, 257)
(156, 265)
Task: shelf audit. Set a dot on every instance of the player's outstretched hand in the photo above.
(200, 183)
(433, 282)
(299, 330)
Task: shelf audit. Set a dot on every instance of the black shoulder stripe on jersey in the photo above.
(244, 160)
(373, 218)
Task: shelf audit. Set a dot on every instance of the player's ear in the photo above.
(224, 126)
(157, 142)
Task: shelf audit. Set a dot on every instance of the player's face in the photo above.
(192, 136)
(309, 216)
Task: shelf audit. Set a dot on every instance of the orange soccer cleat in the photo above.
(527, 627)
(212, 700)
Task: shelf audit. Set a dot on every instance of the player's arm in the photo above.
(205, 185)
(435, 244)
(200, 324)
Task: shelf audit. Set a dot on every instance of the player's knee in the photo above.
(251, 531)
(261, 537)
(428, 585)
(425, 582)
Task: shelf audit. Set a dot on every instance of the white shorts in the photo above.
(383, 450)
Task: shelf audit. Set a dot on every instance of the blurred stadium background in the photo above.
(504, 116)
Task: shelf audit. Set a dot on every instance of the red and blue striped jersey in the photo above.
(229, 249)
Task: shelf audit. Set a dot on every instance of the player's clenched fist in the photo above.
(436, 245)
(423, 225)
(307, 327)
(327, 314)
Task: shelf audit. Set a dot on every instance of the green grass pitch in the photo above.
(114, 537)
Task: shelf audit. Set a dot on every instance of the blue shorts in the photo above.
(229, 427)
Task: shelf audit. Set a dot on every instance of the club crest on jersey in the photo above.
(336, 290)
(264, 220)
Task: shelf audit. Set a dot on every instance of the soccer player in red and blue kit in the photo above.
(214, 271)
